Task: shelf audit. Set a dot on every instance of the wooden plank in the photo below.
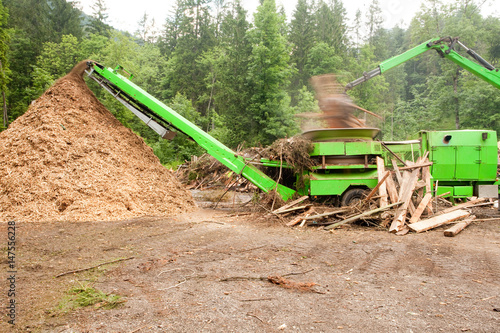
(377, 188)
(391, 189)
(405, 193)
(293, 209)
(338, 211)
(453, 231)
(291, 204)
(438, 221)
(398, 173)
(411, 207)
(357, 217)
(403, 231)
(415, 166)
(382, 176)
(462, 205)
(420, 209)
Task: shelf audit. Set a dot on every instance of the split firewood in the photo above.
(438, 221)
(453, 231)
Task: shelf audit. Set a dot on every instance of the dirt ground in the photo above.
(207, 272)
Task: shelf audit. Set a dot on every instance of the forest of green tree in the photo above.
(243, 78)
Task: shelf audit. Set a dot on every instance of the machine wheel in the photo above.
(353, 195)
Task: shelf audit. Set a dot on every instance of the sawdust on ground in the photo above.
(69, 158)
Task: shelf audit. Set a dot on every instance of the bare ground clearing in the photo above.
(367, 280)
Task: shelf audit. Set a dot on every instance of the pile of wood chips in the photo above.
(68, 158)
(401, 204)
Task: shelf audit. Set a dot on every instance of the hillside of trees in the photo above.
(244, 78)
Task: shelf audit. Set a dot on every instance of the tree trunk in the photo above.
(5, 116)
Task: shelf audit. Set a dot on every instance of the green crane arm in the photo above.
(160, 117)
(445, 47)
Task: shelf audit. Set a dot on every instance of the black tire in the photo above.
(353, 195)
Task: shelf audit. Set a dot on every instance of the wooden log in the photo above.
(382, 187)
(438, 221)
(420, 209)
(291, 204)
(453, 231)
(405, 193)
(357, 217)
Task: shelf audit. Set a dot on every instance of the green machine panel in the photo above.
(444, 159)
(462, 155)
(363, 148)
(328, 148)
(468, 161)
(335, 183)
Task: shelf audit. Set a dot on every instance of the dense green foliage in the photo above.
(243, 79)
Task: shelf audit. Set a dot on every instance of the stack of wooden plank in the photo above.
(412, 189)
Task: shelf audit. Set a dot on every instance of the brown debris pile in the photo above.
(293, 151)
(69, 158)
(205, 172)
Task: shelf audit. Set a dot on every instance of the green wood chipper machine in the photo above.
(344, 158)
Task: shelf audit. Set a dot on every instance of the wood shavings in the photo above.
(69, 158)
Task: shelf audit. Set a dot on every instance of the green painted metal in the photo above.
(462, 155)
(404, 57)
(215, 148)
(337, 183)
(463, 191)
(363, 148)
(328, 148)
(330, 134)
(446, 50)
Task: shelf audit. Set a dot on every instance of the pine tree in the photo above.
(301, 37)
(98, 23)
(269, 76)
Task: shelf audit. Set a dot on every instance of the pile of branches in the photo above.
(206, 172)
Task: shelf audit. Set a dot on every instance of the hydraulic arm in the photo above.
(445, 47)
(161, 119)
